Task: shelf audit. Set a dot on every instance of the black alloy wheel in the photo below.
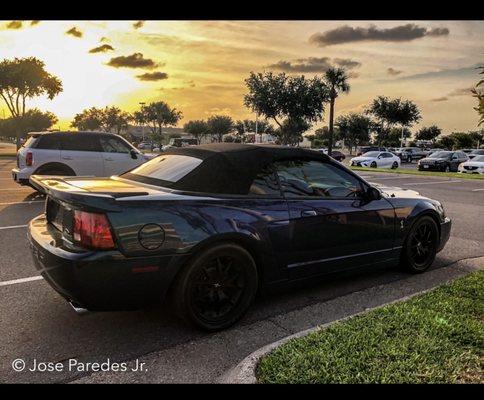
(217, 288)
(373, 164)
(420, 245)
(394, 165)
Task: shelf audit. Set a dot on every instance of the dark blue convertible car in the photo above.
(208, 226)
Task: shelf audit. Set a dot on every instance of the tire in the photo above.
(216, 289)
(55, 170)
(373, 164)
(394, 165)
(446, 168)
(420, 246)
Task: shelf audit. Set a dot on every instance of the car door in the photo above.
(385, 159)
(332, 225)
(117, 155)
(82, 153)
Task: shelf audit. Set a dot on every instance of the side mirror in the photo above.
(373, 193)
(134, 154)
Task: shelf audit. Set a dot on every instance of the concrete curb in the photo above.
(245, 371)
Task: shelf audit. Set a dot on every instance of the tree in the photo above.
(429, 133)
(220, 125)
(477, 138)
(461, 140)
(391, 112)
(336, 80)
(33, 120)
(114, 120)
(22, 79)
(288, 101)
(322, 136)
(88, 120)
(250, 125)
(394, 136)
(159, 115)
(354, 129)
(197, 128)
(480, 98)
(291, 130)
(446, 142)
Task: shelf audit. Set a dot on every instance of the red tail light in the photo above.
(92, 230)
(29, 159)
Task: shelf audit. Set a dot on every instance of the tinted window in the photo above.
(315, 178)
(111, 144)
(170, 167)
(371, 154)
(441, 154)
(265, 184)
(76, 142)
(480, 152)
(387, 155)
(48, 142)
(478, 158)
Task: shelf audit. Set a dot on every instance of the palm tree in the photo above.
(336, 80)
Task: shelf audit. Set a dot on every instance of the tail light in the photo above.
(29, 159)
(92, 230)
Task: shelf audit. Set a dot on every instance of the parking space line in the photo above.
(13, 227)
(431, 183)
(477, 190)
(12, 203)
(21, 280)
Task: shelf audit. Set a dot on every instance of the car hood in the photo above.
(473, 163)
(362, 159)
(394, 191)
(432, 159)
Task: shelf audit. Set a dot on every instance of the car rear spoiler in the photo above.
(58, 188)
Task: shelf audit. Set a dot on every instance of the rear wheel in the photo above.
(216, 289)
(394, 165)
(446, 168)
(420, 245)
(55, 170)
(373, 164)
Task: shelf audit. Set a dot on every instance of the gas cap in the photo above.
(151, 236)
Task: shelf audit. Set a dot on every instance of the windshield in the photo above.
(371, 154)
(478, 158)
(478, 151)
(169, 168)
(441, 154)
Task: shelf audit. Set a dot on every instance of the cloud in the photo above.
(400, 33)
(461, 92)
(135, 60)
(438, 99)
(394, 72)
(74, 32)
(313, 64)
(102, 49)
(14, 25)
(138, 24)
(449, 73)
(152, 76)
(34, 22)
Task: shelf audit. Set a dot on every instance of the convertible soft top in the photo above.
(230, 168)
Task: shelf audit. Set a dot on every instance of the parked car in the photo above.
(408, 154)
(376, 159)
(476, 152)
(467, 151)
(75, 154)
(366, 149)
(212, 225)
(473, 166)
(444, 161)
(337, 155)
(145, 146)
(432, 151)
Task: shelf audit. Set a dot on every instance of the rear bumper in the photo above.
(100, 280)
(445, 228)
(21, 176)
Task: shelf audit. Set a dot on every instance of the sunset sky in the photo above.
(200, 66)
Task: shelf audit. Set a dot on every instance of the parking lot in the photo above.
(37, 324)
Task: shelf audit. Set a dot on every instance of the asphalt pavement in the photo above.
(36, 324)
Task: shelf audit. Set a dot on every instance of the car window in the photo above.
(478, 158)
(371, 154)
(315, 178)
(265, 183)
(76, 142)
(387, 155)
(47, 142)
(169, 167)
(113, 145)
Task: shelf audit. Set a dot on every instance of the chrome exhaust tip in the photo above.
(78, 309)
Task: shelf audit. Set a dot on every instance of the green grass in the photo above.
(436, 337)
(417, 172)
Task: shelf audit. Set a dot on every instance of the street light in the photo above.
(142, 104)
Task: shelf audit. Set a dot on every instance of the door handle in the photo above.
(67, 158)
(308, 213)
(109, 159)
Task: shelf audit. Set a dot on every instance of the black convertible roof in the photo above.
(230, 168)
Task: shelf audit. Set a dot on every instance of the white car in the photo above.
(474, 166)
(376, 159)
(75, 154)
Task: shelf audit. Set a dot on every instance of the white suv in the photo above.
(75, 154)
